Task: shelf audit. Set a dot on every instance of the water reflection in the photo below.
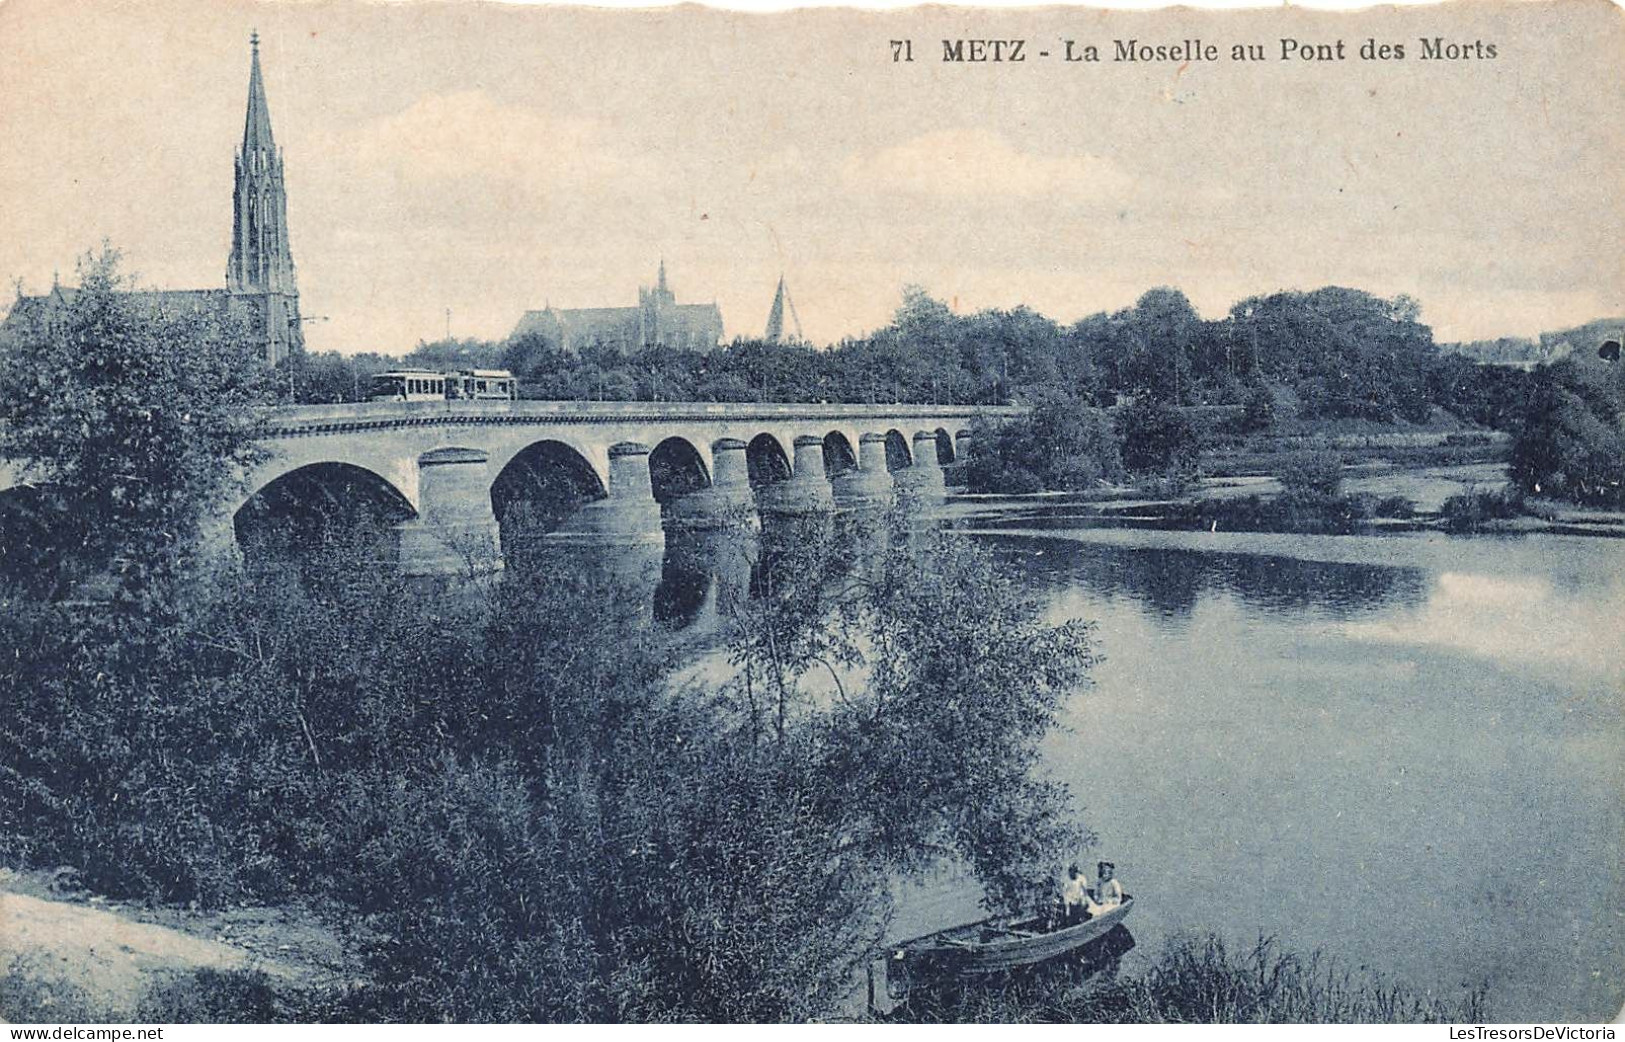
(1171, 582)
(1343, 721)
(705, 574)
(1522, 621)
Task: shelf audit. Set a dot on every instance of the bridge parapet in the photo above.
(293, 421)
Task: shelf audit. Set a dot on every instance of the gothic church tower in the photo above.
(260, 273)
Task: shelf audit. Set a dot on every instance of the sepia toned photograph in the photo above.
(530, 513)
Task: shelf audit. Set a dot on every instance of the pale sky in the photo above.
(491, 159)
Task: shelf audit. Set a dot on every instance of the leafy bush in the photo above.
(1311, 474)
(1157, 438)
(1172, 485)
(1571, 443)
(1474, 508)
(1397, 507)
(1063, 446)
(132, 420)
(210, 996)
(1259, 411)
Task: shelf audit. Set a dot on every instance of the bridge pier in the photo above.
(964, 445)
(455, 532)
(870, 486)
(807, 491)
(721, 559)
(628, 516)
(728, 502)
(922, 483)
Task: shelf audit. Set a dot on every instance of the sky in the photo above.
(487, 159)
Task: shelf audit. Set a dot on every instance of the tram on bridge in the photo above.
(430, 385)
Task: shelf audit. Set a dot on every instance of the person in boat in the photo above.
(1108, 892)
(1077, 903)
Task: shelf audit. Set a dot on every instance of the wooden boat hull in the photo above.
(975, 949)
(1006, 953)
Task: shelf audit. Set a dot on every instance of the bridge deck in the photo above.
(307, 419)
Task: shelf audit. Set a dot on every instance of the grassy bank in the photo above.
(1263, 455)
(1199, 980)
(1287, 513)
(1194, 980)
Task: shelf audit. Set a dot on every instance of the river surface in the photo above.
(1406, 751)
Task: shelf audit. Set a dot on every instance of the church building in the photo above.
(657, 320)
(260, 291)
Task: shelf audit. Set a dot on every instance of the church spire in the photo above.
(260, 269)
(775, 316)
(660, 281)
(257, 126)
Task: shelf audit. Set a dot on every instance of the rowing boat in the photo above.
(987, 946)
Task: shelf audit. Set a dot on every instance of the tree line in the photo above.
(1329, 353)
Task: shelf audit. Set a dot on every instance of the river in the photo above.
(1406, 751)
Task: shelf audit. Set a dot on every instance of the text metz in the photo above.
(984, 50)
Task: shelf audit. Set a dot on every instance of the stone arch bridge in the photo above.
(447, 469)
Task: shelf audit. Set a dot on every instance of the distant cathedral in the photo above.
(260, 289)
(657, 320)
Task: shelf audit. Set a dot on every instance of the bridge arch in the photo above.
(677, 468)
(840, 455)
(539, 487)
(899, 453)
(304, 505)
(946, 452)
(767, 460)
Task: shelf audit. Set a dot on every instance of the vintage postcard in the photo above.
(518, 513)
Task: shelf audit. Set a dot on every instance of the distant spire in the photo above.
(257, 126)
(775, 316)
(660, 283)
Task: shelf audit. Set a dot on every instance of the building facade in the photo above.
(261, 295)
(658, 320)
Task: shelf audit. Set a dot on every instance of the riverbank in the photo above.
(1360, 446)
(1375, 497)
(1197, 980)
(70, 956)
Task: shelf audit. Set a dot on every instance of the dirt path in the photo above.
(81, 958)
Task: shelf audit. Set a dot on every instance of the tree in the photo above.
(1158, 337)
(1258, 413)
(465, 353)
(1311, 476)
(1570, 443)
(330, 377)
(1343, 351)
(1157, 439)
(1063, 446)
(136, 418)
(534, 356)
